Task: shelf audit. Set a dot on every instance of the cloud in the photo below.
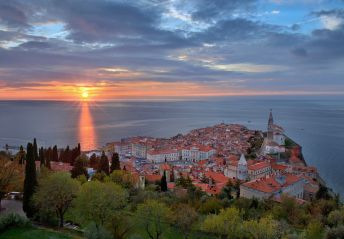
(331, 22)
(198, 43)
(247, 67)
(12, 14)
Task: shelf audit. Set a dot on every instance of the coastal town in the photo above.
(265, 164)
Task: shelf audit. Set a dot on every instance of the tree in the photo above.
(184, 182)
(335, 233)
(287, 209)
(185, 218)
(41, 157)
(21, 155)
(67, 155)
(314, 231)
(123, 178)
(55, 156)
(323, 193)
(94, 161)
(120, 225)
(226, 191)
(30, 181)
(55, 193)
(237, 188)
(153, 215)
(10, 173)
(104, 164)
(48, 157)
(226, 224)
(79, 167)
(35, 149)
(336, 217)
(93, 231)
(211, 205)
(163, 183)
(98, 201)
(115, 164)
(264, 228)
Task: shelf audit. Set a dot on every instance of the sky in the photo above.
(143, 49)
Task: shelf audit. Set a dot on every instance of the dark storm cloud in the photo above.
(12, 14)
(323, 45)
(111, 22)
(235, 30)
(36, 45)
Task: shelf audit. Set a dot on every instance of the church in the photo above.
(275, 139)
(247, 170)
(237, 169)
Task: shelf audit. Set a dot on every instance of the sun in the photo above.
(84, 95)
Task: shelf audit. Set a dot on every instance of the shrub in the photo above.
(335, 233)
(13, 220)
(93, 231)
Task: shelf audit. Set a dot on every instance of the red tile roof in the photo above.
(270, 184)
(153, 177)
(165, 166)
(218, 177)
(259, 165)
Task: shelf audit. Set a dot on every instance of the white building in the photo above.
(159, 156)
(195, 153)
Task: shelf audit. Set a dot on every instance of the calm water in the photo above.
(317, 124)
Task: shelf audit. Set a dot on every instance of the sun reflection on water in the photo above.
(87, 133)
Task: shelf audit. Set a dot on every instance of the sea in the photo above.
(314, 122)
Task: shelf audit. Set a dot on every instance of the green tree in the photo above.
(41, 157)
(98, 201)
(10, 172)
(336, 217)
(93, 231)
(323, 193)
(79, 167)
(335, 233)
(211, 205)
(30, 181)
(226, 191)
(227, 224)
(163, 182)
(115, 164)
(104, 164)
(185, 218)
(120, 225)
(153, 215)
(314, 230)
(237, 188)
(94, 161)
(264, 228)
(48, 157)
(287, 210)
(55, 156)
(21, 155)
(123, 178)
(35, 150)
(55, 194)
(184, 182)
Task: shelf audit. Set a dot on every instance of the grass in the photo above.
(33, 233)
